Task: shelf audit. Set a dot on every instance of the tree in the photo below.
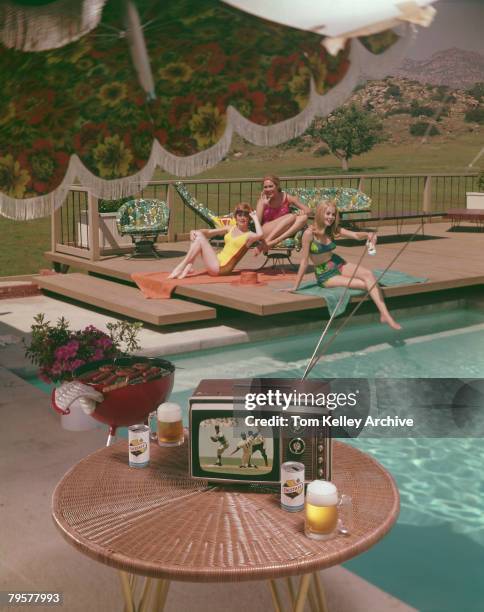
(350, 131)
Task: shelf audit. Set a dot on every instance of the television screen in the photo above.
(223, 446)
(226, 445)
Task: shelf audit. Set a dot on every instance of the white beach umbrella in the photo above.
(337, 21)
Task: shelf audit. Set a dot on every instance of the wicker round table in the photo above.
(158, 523)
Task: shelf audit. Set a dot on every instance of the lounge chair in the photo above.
(144, 221)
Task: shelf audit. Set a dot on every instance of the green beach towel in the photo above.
(390, 278)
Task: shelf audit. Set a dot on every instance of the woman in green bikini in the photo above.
(332, 270)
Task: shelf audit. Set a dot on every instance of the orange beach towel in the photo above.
(157, 285)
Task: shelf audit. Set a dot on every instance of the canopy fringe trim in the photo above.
(363, 65)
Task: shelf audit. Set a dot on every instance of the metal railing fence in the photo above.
(391, 194)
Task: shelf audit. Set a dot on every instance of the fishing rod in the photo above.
(314, 360)
(334, 313)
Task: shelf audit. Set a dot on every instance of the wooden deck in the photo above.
(449, 259)
(124, 300)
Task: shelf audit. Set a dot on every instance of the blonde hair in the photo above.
(274, 179)
(319, 224)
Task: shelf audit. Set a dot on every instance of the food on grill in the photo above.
(112, 376)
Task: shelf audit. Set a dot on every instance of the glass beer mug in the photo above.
(324, 510)
(170, 425)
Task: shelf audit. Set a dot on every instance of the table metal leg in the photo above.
(276, 600)
(127, 592)
(312, 600)
(145, 595)
(161, 594)
(290, 588)
(302, 593)
(320, 597)
(297, 600)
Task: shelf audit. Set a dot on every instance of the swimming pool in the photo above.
(433, 557)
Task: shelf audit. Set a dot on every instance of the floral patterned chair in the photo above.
(144, 221)
(348, 200)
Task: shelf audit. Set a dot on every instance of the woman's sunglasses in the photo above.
(244, 213)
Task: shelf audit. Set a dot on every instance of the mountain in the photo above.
(454, 67)
(410, 112)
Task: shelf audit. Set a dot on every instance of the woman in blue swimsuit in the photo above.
(332, 270)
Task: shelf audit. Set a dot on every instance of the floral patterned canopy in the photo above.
(79, 111)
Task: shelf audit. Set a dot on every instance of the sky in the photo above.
(458, 23)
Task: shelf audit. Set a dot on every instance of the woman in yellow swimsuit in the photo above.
(332, 270)
(237, 239)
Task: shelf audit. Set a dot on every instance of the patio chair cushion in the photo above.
(143, 217)
(347, 199)
(211, 219)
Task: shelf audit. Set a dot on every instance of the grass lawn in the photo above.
(24, 242)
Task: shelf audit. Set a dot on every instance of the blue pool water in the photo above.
(433, 558)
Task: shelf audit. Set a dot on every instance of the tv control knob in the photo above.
(297, 446)
(320, 460)
(320, 448)
(320, 472)
(297, 429)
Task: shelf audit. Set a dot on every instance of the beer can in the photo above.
(292, 486)
(139, 445)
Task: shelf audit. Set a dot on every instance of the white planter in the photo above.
(475, 200)
(109, 238)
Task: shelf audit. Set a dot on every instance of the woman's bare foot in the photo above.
(176, 271)
(389, 320)
(186, 271)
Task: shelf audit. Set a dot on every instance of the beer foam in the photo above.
(169, 412)
(322, 493)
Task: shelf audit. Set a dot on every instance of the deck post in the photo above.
(93, 224)
(55, 227)
(361, 184)
(427, 194)
(170, 200)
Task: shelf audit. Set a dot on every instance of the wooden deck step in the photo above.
(124, 300)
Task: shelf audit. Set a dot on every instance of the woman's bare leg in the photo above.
(297, 223)
(200, 246)
(272, 229)
(192, 253)
(364, 279)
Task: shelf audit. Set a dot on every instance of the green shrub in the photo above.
(421, 111)
(321, 151)
(289, 144)
(476, 91)
(475, 115)
(420, 129)
(393, 91)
